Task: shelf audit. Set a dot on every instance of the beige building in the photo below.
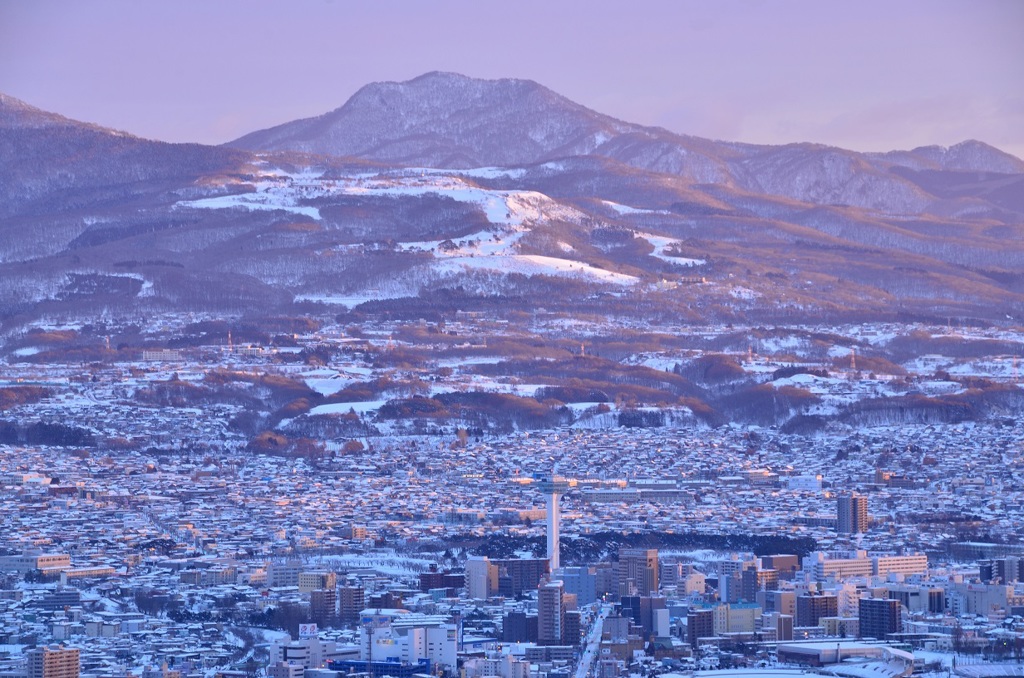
(317, 581)
(53, 662)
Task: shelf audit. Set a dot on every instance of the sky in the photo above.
(868, 75)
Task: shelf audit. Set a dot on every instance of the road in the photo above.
(592, 650)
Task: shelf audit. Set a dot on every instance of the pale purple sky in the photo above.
(861, 74)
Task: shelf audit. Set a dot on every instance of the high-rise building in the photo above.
(323, 607)
(316, 581)
(573, 627)
(386, 599)
(53, 662)
(879, 617)
(784, 563)
(643, 611)
(481, 577)
(851, 513)
(781, 624)
(550, 614)
(441, 580)
(351, 601)
(700, 623)
(1007, 570)
(638, 567)
(581, 581)
(753, 580)
(783, 602)
(519, 627)
(810, 608)
(515, 576)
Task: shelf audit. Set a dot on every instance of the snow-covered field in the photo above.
(511, 214)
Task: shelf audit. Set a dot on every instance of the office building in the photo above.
(915, 563)
(515, 576)
(53, 662)
(1007, 570)
(753, 580)
(851, 513)
(351, 601)
(441, 580)
(550, 614)
(785, 564)
(811, 607)
(284, 573)
(879, 617)
(580, 581)
(783, 602)
(481, 578)
(700, 623)
(323, 607)
(519, 627)
(643, 611)
(286, 670)
(637, 570)
(822, 566)
(571, 634)
(316, 581)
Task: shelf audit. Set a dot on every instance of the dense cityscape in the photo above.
(165, 543)
(455, 339)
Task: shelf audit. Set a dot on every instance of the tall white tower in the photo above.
(554, 487)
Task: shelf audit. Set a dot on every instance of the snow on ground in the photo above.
(361, 407)
(490, 172)
(579, 408)
(264, 198)
(839, 351)
(482, 243)
(1005, 367)
(474, 172)
(496, 249)
(743, 293)
(534, 264)
(471, 360)
(327, 385)
(626, 209)
(385, 563)
(940, 387)
(349, 300)
(929, 363)
(696, 555)
(787, 344)
(661, 244)
(660, 363)
(836, 394)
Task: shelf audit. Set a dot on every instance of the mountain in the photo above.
(447, 193)
(446, 120)
(967, 156)
(50, 163)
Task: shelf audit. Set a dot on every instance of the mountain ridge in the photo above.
(447, 120)
(92, 219)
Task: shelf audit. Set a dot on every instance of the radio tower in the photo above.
(554, 487)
